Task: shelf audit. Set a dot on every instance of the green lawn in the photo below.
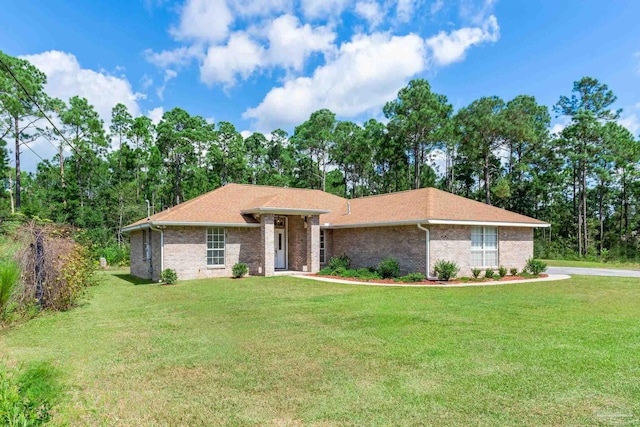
(287, 351)
(593, 264)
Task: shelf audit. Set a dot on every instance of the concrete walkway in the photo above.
(593, 271)
(551, 277)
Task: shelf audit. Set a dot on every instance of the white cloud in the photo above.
(261, 7)
(436, 6)
(241, 56)
(180, 56)
(168, 75)
(155, 115)
(447, 48)
(367, 72)
(632, 123)
(314, 9)
(203, 20)
(290, 43)
(371, 11)
(66, 78)
(404, 10)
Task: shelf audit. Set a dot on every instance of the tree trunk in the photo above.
(17, 133)
(487, 178)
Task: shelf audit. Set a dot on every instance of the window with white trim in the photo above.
(215, 247)
(484, 247)
(322, 250)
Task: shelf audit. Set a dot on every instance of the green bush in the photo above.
(340, 261)
(475, 272)
(27, 396)
(446, 270)
(114, 254)
(488, 273)
(389, 268)
(239, 270)
(412, 277)
(169, 276)
(9, 275)
(502, 272)
(514, 271)
(535, 266)
(325, 272)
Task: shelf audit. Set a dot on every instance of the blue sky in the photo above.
(268, 64)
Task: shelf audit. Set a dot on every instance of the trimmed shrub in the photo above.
(412, 277)
(502, 272)
(488, 273)
(325, 272)
(389, 268)
(339, 261)
(446, 270)
(535, 266)
(239, 270)
(514, 271)
(475, 272)
(169, 276)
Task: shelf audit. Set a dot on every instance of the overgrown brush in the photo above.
(55, 269)
(28, 395)
(9, 275)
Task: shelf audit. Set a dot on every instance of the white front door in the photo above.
(280, 248)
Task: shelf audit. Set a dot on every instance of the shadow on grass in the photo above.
(134, 280)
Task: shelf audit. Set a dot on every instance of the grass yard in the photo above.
(291, 352)
(593, 264)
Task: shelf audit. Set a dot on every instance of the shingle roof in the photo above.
(235, 203)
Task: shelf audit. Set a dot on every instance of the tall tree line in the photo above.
(584, 180)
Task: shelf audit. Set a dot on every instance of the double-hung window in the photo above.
(215, 247)
(484, 247)
(322, 247)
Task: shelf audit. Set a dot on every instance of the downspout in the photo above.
(161, 230)
(427, 262)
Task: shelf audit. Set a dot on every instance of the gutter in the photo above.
(435, 222)
(152, 224)
(428, 252)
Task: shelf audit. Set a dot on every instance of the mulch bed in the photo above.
(434, 282)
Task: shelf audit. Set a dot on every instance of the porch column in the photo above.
(313, 243)
(267, 244)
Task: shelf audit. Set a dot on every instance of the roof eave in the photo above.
(189, 224)
(437, 222)
(283, 211)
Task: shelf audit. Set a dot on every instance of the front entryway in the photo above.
(280, 248)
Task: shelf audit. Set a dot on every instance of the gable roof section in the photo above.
(239, 204)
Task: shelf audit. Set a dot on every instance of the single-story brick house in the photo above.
(273, 228)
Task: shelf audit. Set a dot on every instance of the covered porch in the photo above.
(289, 240)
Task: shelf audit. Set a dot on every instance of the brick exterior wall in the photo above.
(313, 244)
(515, 246)
(138, 265)
(450, 243)
(267, 246)
(297, 244)
(368, 246)
(453, 243)
(185, 250)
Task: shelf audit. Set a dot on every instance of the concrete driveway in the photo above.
(593, 271)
